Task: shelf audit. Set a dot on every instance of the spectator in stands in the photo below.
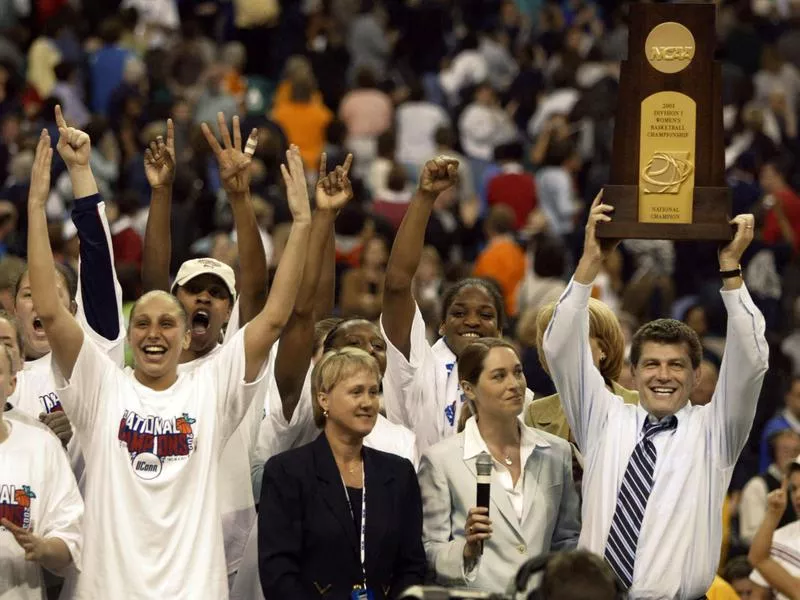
(737, 572)
(666, 359)
(783, 219)
(302, 548)
(369, 40)
(555, 187)
(466, 546)
(512, 186)
(304, 122)
(377, 175)
(67, 90)
(107, 65)
(502, 260)
(367, 111)
(418, 120)
(392, 201)
(127, 242)
(577, 575)
(362, 288)
(774, 553)
(467, 69)
(784, 448)
(789, 418)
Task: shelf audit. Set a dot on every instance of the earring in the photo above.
(602, 356)
(325, 413)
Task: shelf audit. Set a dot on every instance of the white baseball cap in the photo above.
(206, 266)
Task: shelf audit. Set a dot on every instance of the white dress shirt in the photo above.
(679, 542)
(753, 505)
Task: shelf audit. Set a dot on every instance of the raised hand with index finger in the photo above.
(334, 189)
(74, 145)
(234, 163)
(159, 159)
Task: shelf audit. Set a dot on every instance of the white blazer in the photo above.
(550, 519)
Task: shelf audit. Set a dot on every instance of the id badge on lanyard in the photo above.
(360, 592)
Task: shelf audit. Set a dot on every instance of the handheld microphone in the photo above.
(483, 465)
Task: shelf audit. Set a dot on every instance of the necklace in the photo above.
(354, 468)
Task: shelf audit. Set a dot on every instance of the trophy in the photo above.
(667, 177)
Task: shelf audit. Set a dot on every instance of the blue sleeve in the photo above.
(99, 293)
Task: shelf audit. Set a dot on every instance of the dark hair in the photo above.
(501, 219)
(469, 41)
(302, 90)
(387, 144)
(445, 136)
(365, 78)
(336, 132)
(67, 274)
(578, 575)
(64, 70)
(558, 152)
(549, 256)
(396, 180)
(111, 30)
(667, 331)
(470, 362)
(327, 343)
(737, 568)
(321, 330)
(512, 151)
(487, 285)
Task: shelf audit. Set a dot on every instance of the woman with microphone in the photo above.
(338, 519)
(533, 506)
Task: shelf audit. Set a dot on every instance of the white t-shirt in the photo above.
(236, 502)
(276, 435)
(38, 489)
(417, 123)
(785, 551)
(423, 392)
(152, 521)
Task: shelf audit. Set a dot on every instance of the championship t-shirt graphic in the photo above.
(152, 440)
(15, 504)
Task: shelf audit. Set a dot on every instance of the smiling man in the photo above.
(657, 473)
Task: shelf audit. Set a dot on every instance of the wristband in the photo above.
(737, 272)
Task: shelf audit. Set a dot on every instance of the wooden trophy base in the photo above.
(710, 214)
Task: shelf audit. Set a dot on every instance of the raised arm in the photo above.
(265, 328)
(325, 298)
(437, 175)
(580, 385)
(63, 331)
(759, 556)
(746, 357)
(99, 293)
(234, 171)
(296, 344)
(159, 167)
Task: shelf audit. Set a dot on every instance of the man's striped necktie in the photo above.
(632, 501)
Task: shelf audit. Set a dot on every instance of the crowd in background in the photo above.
(521, 92)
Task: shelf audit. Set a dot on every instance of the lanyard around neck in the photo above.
(362, 541)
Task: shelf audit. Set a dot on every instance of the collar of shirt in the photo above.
(793, 421)
(514, 168)
(642, 414)
(528, 440)
(443, 353)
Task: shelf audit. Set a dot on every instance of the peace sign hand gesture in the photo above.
(74, 145)
(234, 164)
(159, 159)
(334, 189)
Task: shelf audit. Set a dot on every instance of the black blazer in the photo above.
(308, 547)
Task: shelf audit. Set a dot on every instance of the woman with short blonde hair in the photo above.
(313, 535)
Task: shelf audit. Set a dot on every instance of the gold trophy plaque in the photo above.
(667, 171)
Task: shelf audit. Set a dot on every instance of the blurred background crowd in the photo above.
(522, 92)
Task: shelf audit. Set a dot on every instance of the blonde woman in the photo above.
(608, 355)
(336, 517)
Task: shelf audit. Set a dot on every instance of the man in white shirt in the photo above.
(657, 473)
(40, 506)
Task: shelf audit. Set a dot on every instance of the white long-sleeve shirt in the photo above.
(678, 546)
